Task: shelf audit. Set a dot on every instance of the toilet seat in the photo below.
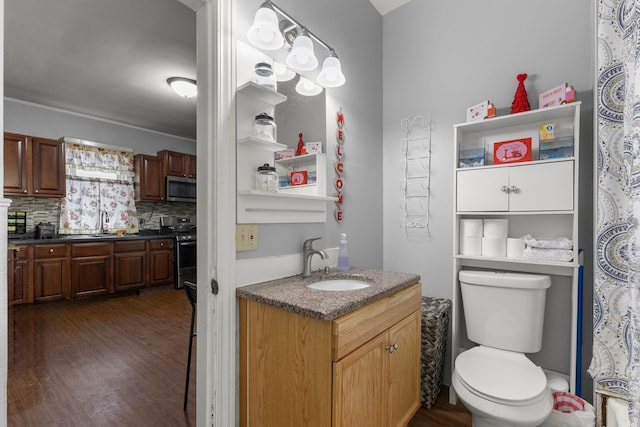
(500, 376)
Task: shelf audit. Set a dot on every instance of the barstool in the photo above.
(191, 290)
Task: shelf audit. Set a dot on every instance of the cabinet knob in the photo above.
(504, 188)
(391, 348)
(162, 245)
(514, 189)
(24, 191)
(50, 251)
(35, 191)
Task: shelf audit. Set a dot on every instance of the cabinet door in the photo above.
(20, 273)
(51, 279)
(16, 165)
(541, 187)
(175, 164)
(48, 167)
(360, 386)
(160, 262)
(404, 370)
(192, 166)
(482, 190)
(91, 276)
(149, 184)
(130, 265)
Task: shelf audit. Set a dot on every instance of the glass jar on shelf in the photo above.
(264, 127)
(266, 178)
(264, 75)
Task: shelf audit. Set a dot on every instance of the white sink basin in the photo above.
(339, 285)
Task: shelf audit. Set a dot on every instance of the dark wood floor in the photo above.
(117, 362)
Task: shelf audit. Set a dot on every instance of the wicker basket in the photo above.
(435, 323)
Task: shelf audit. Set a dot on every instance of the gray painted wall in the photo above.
(354, 29)
(442, 57)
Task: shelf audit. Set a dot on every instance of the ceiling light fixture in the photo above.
(183, 86)
(268, 33)
(283, 74)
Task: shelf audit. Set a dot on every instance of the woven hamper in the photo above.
(435, 323)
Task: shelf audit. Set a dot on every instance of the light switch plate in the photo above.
(246, 237)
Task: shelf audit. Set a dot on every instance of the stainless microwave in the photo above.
(181, 189)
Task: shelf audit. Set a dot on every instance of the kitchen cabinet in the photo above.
(361, 369)
(160, 262)
(130, 265)
(91, 269)
(305, 204)
(178, 164)
(538, 197)
(149, 182)
(51, 272)
(20, 275)
(33, 166)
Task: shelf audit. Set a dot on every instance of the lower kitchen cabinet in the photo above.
(51, 272)
(20, 275)
(130, 265)
(91, 269)
(160, 262)
(361, 369)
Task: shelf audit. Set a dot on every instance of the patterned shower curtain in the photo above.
(616, 330)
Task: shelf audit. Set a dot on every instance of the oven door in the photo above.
(185, 268)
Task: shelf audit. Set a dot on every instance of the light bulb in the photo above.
(301, 56)
(331, 73)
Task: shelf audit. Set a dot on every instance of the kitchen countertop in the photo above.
(64, 238)
(292, 294)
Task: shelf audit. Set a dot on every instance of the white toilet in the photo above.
(504, 314)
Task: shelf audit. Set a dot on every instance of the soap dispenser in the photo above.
(343, 255)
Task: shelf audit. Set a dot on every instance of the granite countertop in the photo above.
(292, 294)
(63, 238)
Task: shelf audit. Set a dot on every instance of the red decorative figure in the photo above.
(301, 149)
(520, 102)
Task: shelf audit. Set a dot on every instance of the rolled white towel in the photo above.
(563, 255)
(559, 243)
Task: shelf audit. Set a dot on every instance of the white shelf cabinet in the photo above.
(538, 197)
(298, 204)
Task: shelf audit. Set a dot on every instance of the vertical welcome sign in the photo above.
(339, 166)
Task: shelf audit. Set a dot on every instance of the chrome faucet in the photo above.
(307, 253)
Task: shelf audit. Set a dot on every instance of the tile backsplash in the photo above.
(42, 209)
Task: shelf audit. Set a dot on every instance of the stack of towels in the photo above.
(560, 249)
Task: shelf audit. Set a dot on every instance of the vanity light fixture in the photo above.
(307, 88)
(183, 86)
(283, 74)
(268, 33)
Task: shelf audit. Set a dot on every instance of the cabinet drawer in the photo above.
(354, 329)
(20, 253)
(130, 246)
(91, 249)
(160, 244)
(54, 250)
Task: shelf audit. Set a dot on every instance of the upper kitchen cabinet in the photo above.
(149, 181)
(33, 166)
(178, 164)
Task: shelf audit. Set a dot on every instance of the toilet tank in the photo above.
(504, 310)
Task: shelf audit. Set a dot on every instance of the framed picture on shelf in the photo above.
(512, 151)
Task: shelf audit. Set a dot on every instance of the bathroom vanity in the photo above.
(330, 358)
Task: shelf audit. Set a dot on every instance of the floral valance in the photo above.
(103, 164)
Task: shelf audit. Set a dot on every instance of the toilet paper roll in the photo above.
(496, 228)
(515, 248)
(494, 246)
(470, 245)
(471, 227)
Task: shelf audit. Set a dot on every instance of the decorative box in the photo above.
(471, 158)
(298, 178)
(512, 151)
(557, 148)
(284, 154)
(313, 147)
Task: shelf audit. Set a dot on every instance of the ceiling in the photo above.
(107, 58)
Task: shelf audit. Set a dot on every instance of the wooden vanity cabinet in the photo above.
(130, 265)
(51, 272)
(160, 262)
(33, 166)
(20, 275)
(91, 269)
(361, 369)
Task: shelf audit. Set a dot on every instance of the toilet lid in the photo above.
(500, 374)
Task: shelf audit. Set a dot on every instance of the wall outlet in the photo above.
(246, 237)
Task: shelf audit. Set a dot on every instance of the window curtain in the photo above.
(615, 366)
(99, 191)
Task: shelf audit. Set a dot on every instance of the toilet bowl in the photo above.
(504, 315)
(501, 388)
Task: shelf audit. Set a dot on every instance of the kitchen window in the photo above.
(99, 186)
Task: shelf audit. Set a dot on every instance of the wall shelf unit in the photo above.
(537, 197)
(294, 204)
